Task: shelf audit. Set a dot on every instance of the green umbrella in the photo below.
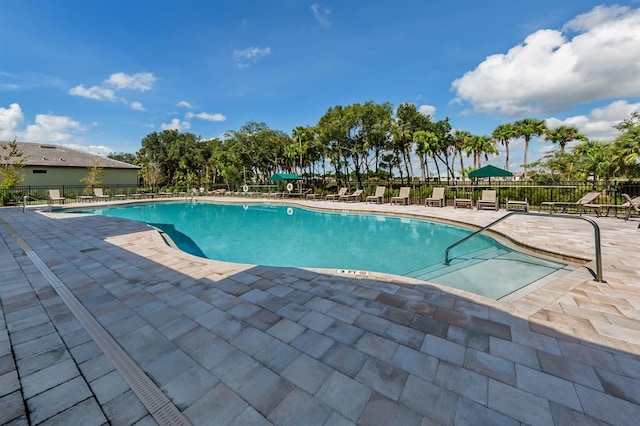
(284, 176)
(490, 171)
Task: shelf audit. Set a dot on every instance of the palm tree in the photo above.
(527, 128)
(460, 139)
(503, 134)
(563, 135)
(480, 146)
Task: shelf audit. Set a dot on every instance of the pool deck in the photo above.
(229, 344)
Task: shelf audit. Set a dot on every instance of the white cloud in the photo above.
(176, 124)
(549, 72)
(10, 119)
(51, 128)
(185, 104)
(598, 124)
(135, 105)
(321, 14)
(247, 57)
(206, 116)
(101, 150)
(46, 128)
(142, 81)
(94, 92)
(429, 110)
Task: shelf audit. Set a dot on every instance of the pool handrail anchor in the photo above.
(596, 229)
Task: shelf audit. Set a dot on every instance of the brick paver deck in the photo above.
(236, 344)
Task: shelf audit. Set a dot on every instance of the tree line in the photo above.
(369, 141)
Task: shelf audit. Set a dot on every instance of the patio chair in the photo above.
(357, 194)
(378, 197)
(579, 205)
(488, 200)
(99, 195)
(336, 196)
(403, 196)
(53, 195)
(436, 199)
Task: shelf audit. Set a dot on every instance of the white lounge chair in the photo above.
(99, 195)
(436, 199)
(634, 205)
(403, 196)
(579, 205)
(355, 196)
(488, 200)
(378, 197)
(336, 197)
(53, 195)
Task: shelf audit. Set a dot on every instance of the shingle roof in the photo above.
(49, 155)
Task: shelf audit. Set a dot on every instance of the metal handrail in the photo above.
(24, 202)
(596, 229)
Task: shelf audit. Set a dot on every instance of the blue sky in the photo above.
(100, 76)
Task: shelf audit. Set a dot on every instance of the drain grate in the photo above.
(159, 406)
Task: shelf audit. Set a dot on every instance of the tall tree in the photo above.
(562, 135)
(626, 147)
(527, 128)
(461, 139)
(594, 158)
(503, 134)
(408, 121)
(480, 146)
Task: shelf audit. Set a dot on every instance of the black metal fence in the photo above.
(38, 194)
(534, 193)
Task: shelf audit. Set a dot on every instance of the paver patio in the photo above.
(233, 344)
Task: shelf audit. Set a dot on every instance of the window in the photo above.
(37, 171)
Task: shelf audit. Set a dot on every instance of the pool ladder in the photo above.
(597, 275)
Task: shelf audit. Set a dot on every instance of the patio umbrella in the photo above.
(490, 171)
(284, 176)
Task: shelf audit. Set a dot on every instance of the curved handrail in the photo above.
(596, 230)
(24, 202)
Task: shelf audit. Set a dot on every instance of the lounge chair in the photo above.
(357, 194)
(99, 195)
(579, 205)
(336, 197)
(314, 196)
(488, 200)
(301, 194)
(403, 196)
(378, 197)
(53, 195)
(606, 208)
(634, 205)
(436, 199)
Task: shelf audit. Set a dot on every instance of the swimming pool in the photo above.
(279, 235)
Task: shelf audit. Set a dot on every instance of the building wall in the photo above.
(56, 176)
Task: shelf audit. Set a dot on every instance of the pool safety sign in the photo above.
(353, 273)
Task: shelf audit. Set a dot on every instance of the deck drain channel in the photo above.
(159, 406)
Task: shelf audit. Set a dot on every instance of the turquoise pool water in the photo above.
(276, 235)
